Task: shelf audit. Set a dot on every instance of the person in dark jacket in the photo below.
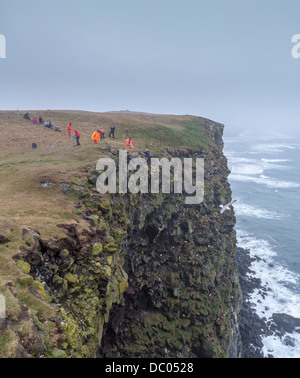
(112, 131)
(26, 116)
(147, 155)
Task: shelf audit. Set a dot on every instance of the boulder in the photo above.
(285, 322)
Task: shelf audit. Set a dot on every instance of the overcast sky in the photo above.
(227, 60)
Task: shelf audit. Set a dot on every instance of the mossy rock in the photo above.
(26, 281)
(123, 286)
(111, 248)
(71, 278)
(71, 262)
(94, 219)
(80, 181)
(110, 260)
(58, 353)
(64, 253)
(178, 345)
(106, 270)
(104, 206)
(39, 288)
(91, 205)
(23, 266)
(54, 268)
(102, 223)
(71, 330)
(97, 249)
(57, 280)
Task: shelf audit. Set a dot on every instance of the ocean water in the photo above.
(265, 181)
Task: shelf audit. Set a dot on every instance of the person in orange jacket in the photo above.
(69, 128)
(129, 143)
(96, 137)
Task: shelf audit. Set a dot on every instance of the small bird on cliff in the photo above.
(226, 207)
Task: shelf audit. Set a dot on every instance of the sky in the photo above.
(226, 60)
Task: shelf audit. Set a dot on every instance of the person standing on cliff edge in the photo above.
(147, 155)
(77, 136)
(69, 128)
(112, 131)
(96, 137)
(129, 143)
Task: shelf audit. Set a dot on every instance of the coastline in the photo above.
(254, 329)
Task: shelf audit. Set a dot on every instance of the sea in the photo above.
(265, 181)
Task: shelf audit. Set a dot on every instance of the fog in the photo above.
(228, 60)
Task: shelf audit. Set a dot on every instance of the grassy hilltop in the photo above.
(25, 203)
(23, 169)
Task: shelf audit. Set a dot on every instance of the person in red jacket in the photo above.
(77, 136)
(101, 132)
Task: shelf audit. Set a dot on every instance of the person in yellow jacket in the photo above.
(96, 137)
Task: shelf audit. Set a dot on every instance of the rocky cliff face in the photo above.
(151, 276)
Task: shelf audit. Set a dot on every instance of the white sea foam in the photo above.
(251, 211)
(276, 347)
(271, 147)
(279, 298)
(247, 169)
(265, 180)
(276, 160)
(252, 170)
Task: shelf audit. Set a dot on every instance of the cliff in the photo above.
(148, 276)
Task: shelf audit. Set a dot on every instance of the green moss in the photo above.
(26, 281)
(123, 286)
(94, 220)
(178, 345)
(58, 353)
(64, 253)
(104, 205)
(57, 280)
(92, 205)
(106, 270)
(111, 248)
(110, 260)
(97, 249)
(71, 278)
(71, 330)
(40, 289)
(23, 266)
